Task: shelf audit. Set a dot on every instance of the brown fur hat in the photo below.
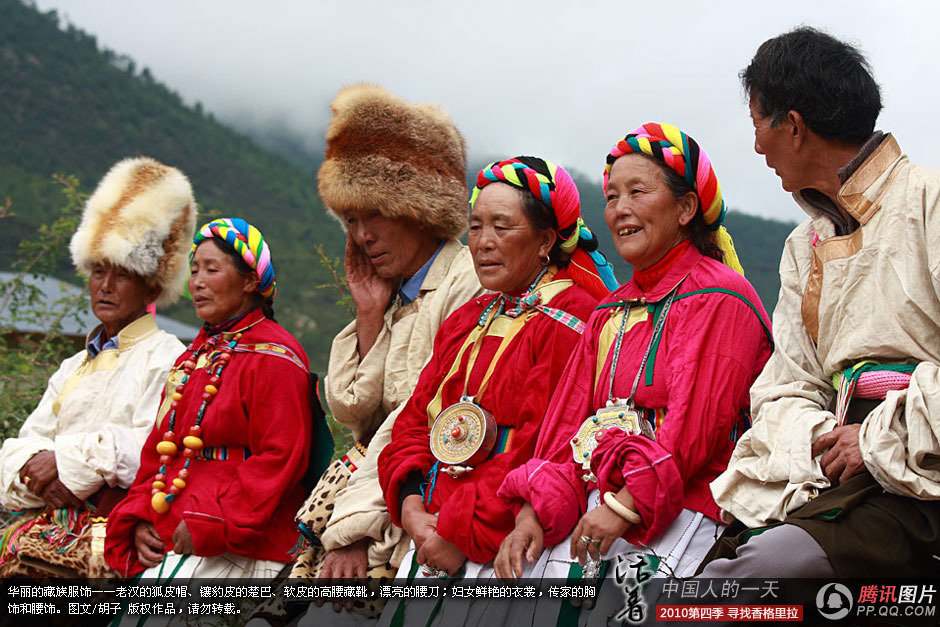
(404, 160)
(141, 218)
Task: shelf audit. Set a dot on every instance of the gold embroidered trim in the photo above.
(826, 250)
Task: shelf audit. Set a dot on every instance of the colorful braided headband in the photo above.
(668, 145)
(248, 242)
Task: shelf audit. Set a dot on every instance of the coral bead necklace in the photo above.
(219, 354)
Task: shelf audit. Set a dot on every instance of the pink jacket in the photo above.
(696, 384)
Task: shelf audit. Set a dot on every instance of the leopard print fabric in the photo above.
(316, 510)
(36, 557)
(315, 513)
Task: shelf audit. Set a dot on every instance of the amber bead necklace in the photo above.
(220, 353)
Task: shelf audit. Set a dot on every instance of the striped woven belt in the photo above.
(868, 380)
(224, 453)
(504, 438)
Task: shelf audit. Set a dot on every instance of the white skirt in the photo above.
(453, 611)
(225, 566)
(178, 570)
(676, 553)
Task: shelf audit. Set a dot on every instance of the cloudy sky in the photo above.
(559, 79)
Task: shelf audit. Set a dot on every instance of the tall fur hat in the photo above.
(404, 160)
(141, 218)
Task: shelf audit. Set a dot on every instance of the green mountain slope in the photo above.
(67, 106)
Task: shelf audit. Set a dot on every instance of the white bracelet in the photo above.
(610, 499)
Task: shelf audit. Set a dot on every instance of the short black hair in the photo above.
(829, 82)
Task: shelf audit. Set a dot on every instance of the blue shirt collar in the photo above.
(409, 288)
(95, 345)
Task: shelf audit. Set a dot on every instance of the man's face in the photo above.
(394, 246)
(118, 296)
(775, 143)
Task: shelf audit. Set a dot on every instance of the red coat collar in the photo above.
(632, 290)
(251, 318)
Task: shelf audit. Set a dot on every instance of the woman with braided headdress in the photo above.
(220, 473)
(650, 406)
(479, 402)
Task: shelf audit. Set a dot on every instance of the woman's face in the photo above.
(508, 252)
(642, 213)
(219, 291)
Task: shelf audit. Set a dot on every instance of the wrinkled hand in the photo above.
(602, 524)
(526, 539)
(183, 540)
(438, 553)
(369, 291)
(348, 562)
(150, 547)
(843, 459)
(41, 470)
(416, 520)
(57, 495)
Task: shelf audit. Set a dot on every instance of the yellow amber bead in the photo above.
(177, 396)
(158, 485)
(159, 504)
(191, 441)
(166, 448)
(211, 389)
(179, 483)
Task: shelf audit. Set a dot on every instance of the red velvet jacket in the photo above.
(713, 346)
(243, 506)
(469, 514)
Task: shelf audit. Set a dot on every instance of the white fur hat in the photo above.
(141, 218)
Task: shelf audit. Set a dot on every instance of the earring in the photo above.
(546, 260)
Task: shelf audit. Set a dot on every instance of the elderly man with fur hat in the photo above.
(80, 447)
(395, 177)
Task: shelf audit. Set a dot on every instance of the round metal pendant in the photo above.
(614, 416)
(463, 434)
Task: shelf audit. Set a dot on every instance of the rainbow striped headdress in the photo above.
(553, 186)
(668, 145)
(247, 242)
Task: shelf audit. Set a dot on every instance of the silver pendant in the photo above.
(618, 414)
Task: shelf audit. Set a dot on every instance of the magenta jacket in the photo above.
(694, 388)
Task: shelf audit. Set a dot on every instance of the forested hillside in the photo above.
(67, 106)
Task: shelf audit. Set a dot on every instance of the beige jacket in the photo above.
(361, 393)
(873, 294)
(95, 415)
(364, 395)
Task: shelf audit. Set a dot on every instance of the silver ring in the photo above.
(589, 540)
(430, 571)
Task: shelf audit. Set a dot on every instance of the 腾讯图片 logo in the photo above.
(834, 601)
